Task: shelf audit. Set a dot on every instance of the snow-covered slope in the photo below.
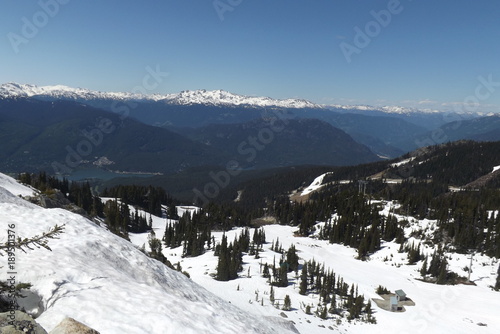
(315, 185)
(216, 97)
(14, 187)
(107, 283)
(458, 309)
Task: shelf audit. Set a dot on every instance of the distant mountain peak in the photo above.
(221, 97)
(187, 97)
(384, 109)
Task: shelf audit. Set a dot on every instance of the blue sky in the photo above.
(429, 54)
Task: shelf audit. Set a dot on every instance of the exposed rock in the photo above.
(56, 199)
(71, 326)
(31, 303)
(283, 323)
(19, 323)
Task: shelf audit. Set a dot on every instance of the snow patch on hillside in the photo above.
(402, 162)
(181, 210)
(315, 185)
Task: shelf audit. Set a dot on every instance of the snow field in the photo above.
(107, 283)
(438, 309)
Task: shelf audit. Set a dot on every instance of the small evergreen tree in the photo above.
(303, 280)
(381, 290)
(224, 261)
(323, 312)
(282, 276)
(287, 303)
(423, 270)
(333, 304)
(265, 271)
(442, 273)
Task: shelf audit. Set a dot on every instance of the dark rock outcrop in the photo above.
(19, 323)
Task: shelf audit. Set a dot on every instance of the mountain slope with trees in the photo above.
(277, 143)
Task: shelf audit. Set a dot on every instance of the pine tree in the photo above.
(368, 308)
(333, 304)
(423, 270)
(435, 265)
(442, 273)
(287, 303)
(363, 249)
(323, 312)
(292, 259)
(224, 261)
(282, 280)
(265, 271)
(303, 280)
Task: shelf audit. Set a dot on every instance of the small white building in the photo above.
(393, 304)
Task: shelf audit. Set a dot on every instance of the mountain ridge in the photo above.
(200, 96)
(187, 97)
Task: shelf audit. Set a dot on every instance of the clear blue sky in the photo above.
(431, 52)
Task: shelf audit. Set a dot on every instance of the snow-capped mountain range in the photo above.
(384, 109)
(216, 97)
(188, 97)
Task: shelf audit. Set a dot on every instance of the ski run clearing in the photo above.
(108, 284)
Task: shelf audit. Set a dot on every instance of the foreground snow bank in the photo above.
(104, 282)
